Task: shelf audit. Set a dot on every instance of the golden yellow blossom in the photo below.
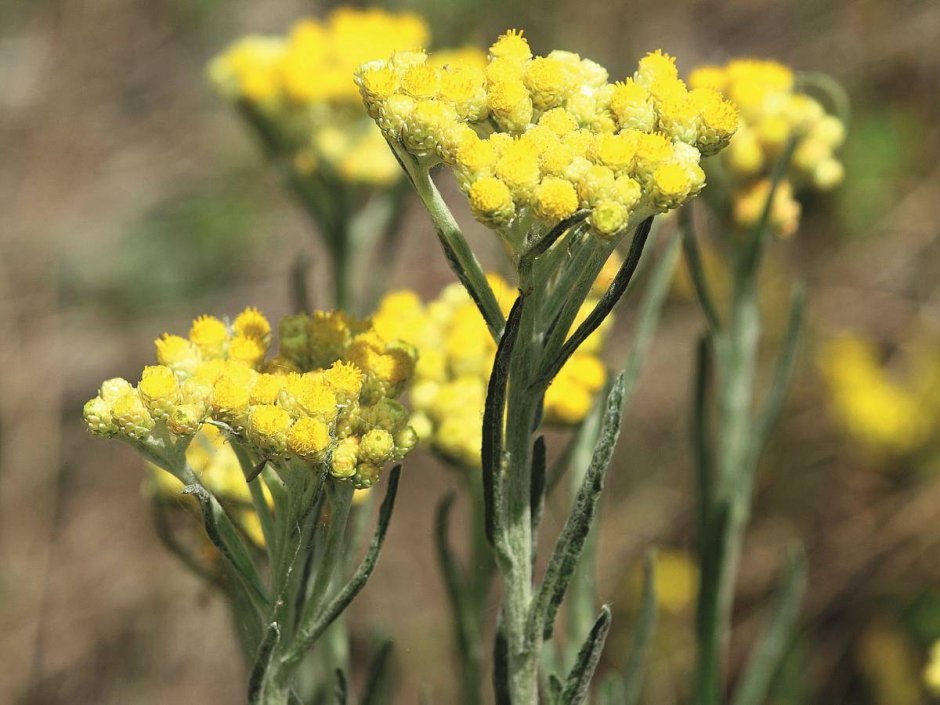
(563, 134)
(333, 384)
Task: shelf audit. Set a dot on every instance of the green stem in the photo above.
(456, 249)
(521, 409)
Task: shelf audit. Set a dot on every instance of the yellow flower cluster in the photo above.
(873, 407)
(455, 358)
(773, 112)
(534, 139)
(302, 84)
(327, 397)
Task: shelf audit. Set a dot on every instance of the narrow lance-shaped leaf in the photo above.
(501, 667)
(256, 679)
(226, 538)
(492, 449)
(537, 494)
(603, 307)
(376, 689)
(582, 441)
(341, 692)
(570, 542)
(555, 688)
(765, 660)
(578, 685)
(311, 630)
(633, 674)
(712, 555)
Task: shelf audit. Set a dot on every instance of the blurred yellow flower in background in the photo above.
(871, 405)
(772, 112)
(455, 358)
(300, 85)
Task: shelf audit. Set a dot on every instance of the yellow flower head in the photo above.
(539, 120)
(332, 383)
(761, 97)
(300, 86)
(177, 353)
(251, 323)
(511, 45)
(159, 390)
(210, 335)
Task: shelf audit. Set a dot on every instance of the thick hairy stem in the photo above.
(521, 413)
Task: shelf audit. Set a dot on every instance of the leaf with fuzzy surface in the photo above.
(570, 542)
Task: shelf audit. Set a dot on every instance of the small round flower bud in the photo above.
(429, 120)
(112, 388)
(345, 458)
(266, 388)
(474, 158)
(464, 88)
(367, 474)
(329, 335)
(609, 217)
(376, 446)
(616, 152)
(632, 106)
(510, 103)
(159, 390)
(395, 114)
(405, 442)
(376, 81)
(596, 183)
(186, 419)
(131, 416)
(421, 81)
(717, 121)
(230, 400)
(97, 416)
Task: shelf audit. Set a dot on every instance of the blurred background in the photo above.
(132, 200)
